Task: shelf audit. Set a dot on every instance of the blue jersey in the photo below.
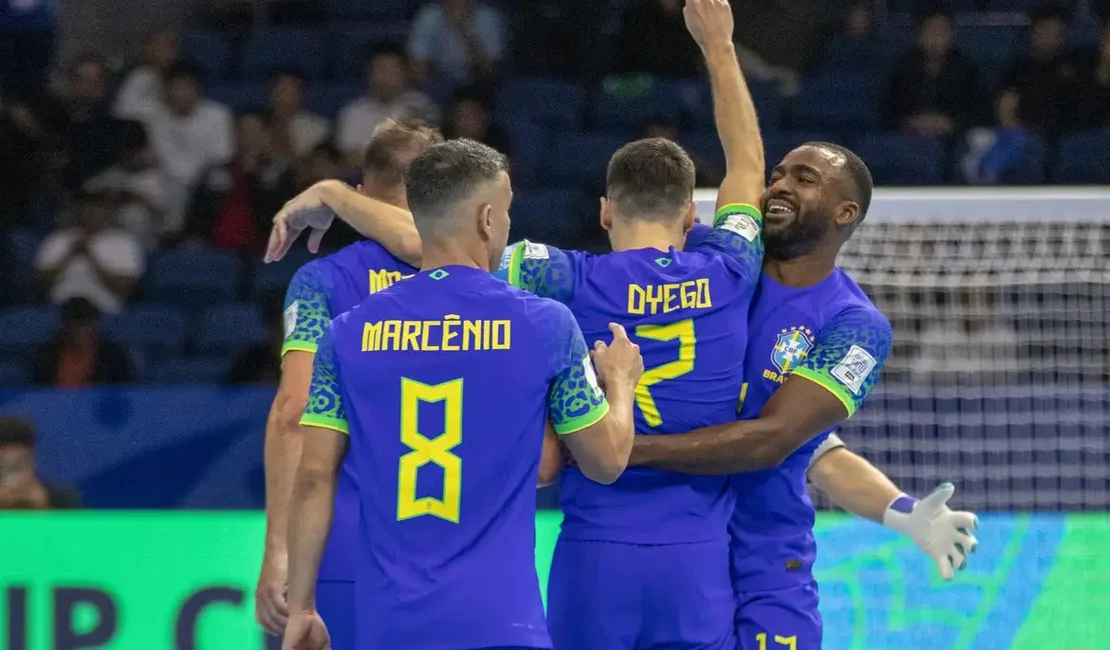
(688, 312)
(829, 334)
(444, 383)
(320, 291)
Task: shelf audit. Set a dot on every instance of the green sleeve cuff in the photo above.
(298, 346)
(574, 425)
(830, 385)
(515, 262)
(324, 422)
(729, 209)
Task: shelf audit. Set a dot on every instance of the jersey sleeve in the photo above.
(307, 313)
(541, 269)
(848, 355)
(575, 400)
(737, 233)
(325, 407)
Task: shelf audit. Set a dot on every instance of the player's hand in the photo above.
(270, 608)
(943, 534)
(306, 631)
(709, 21)
(619, 361)
(307, 210)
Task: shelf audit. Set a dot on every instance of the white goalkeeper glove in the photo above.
(944, 535)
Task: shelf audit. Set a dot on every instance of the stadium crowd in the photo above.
(138, 198)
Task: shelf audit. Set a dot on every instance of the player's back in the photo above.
(446, 377)
(688, 313)
(321, 290)
(829, 333)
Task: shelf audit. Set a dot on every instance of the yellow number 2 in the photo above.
(683, 330)
(790, 642)
(435, 450)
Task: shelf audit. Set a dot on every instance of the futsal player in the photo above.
(319, 291)
(444, 384)
(816, 347)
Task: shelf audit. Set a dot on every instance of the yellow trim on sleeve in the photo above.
(730, 209)
(514, 263)
(298, 346)
(838, 392)
(583, 421)
(325, 422)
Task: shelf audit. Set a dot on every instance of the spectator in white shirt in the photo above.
(456, 42)
(141, 90)
(94, 260)
(296, 130)
(189, 134)
(389, 95)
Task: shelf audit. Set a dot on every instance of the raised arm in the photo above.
(544, 270)
(314, 209)
(710, 23)
(824, 391)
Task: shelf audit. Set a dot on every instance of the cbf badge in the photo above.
(791, 348)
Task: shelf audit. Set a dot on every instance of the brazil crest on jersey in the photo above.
(829, 334)
(320, 291)
(688, 312)
(444, 383)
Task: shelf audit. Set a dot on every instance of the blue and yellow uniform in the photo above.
(320, 291)
(832, 335)
(643, 563)
(444, 383)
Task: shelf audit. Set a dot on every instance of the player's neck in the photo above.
(437, 254)
(800, 272)
(637, 235)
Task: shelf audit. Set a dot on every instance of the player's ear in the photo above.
(606, 217)
(847, 213)
(485, 220)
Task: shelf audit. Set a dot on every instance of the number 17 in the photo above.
(788, 641)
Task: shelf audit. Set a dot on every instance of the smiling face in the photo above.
(805, 204)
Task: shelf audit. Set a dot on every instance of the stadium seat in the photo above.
(24, 329)
(842, 101)
(193, 278)
(577, 159)
(765, 96)
(210, 51)
(843, 51)
(268, 279)
(230, 327)
(669, 100)
(777, 145)
(549, 103)
(268, 50)
(705, 147)
(156, 331)
(991, 47)
(371, 9)
(328, 99)
(1083, 159)
(203, 370)
(903, 159)
(23, 245)
(549, 216)
(239, 96)
(13, 374)
(350, 43)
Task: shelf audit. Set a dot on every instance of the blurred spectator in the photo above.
(992, 152)
(95, 260)
(1093, 71)
(80, 355)
(188, 134)
(261, 364)
(233, 203)
(390, 94)
(141, 91)
(136, 185)
(91, 134)
(859, 22)
(469, 117)
(972, 340)
(654, 40)
(20, 487)
(24, 160)
(456, 42)
(323, 162)
(26, 44)
(707, 173)
(296, 130)
(933, 89)
(1046, 78)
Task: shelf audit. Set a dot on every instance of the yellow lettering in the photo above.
(669, 297)
(391, 335)
(689, 295)
(472, 335)
(381, 279)
(501, 334)
(666, 298)
(425, 333)
(411, 338)
(635, 299)
(654, 298)
(703, 301)
(371, 337)
(450, 331)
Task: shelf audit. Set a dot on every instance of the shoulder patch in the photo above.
(535, 251)
(290, 319)
(741, 224)
(591, 376)
(854, 368)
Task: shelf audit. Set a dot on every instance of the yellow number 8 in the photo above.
(683, 330)
(436, 450)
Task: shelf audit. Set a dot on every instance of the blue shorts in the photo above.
(779, 619)
(613, 596)
(336, 603)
